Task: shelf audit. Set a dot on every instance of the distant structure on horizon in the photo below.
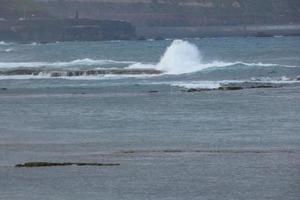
(167, 18)
(179, 18)
(181, 12)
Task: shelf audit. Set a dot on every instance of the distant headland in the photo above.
(70, 20)
(54, 30)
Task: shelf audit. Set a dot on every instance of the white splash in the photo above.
(180, 57)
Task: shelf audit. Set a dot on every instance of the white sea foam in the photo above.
(198, 85)
(4, 43)
(78, 62)
(8, 50)
(34, 44)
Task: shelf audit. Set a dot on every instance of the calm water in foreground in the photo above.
(171, 144)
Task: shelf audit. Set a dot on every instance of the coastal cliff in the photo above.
(171, 18)
(52, 30)
(180, 12)
(188, 18)
(29, 21)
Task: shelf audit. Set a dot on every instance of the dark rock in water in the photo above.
(199, 90)
(3, 88)
(263, 34)
(141, 38)
(49, 164)
(231, 88)
(55, 74)
(238, 86)
(20, 71)
(193, 90)
(264, 86)
(248, 85)
(158, 38)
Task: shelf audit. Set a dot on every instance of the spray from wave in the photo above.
(183, 57)
(180, 57)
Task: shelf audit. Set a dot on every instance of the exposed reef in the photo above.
(71, 73)
(56, 164)
(239, 86)
(205, 151)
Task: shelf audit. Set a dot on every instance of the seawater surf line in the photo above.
(181, 57)
(78, 62)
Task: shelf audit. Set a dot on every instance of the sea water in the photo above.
(170, 143)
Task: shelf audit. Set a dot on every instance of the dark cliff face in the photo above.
(52, 30)
(180, 12)
(152, 18)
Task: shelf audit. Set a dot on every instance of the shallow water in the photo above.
(170, 144)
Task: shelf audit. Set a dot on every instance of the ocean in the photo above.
(201, 118)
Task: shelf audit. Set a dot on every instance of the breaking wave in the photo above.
(182, 57)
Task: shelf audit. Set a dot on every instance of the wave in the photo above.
(182, 57)
(78, 62)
